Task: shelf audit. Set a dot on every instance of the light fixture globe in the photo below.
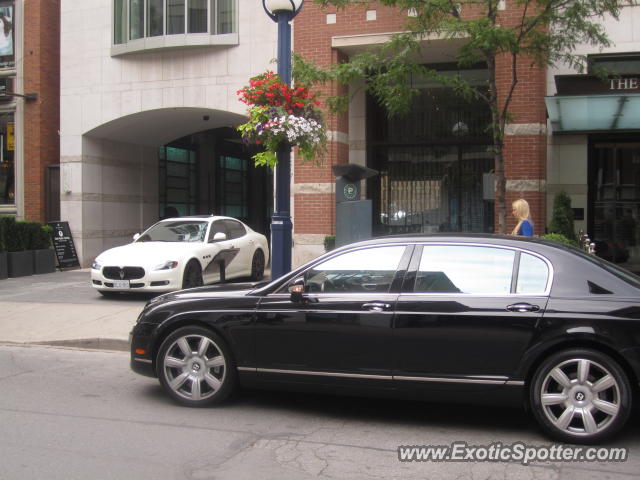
(273, 7)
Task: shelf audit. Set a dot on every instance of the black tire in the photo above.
(580, 396)
(192, 275)
(257, 266)
(195, 367)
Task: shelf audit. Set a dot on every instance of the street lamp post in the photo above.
(282, 12)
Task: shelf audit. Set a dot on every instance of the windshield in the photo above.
(175, 231)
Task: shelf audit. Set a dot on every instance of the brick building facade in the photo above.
(326, 36)
(33, 120)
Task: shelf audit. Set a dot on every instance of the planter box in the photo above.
(20, 263)
(44, 261)
(4, 272)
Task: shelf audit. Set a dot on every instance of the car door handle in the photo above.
(376, 306)
(523, 307)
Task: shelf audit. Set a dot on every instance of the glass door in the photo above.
(615, 193)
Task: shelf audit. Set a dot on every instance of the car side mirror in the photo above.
(296, 289)
(219, 236)
(136, 237)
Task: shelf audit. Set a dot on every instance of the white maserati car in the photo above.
(182, 252)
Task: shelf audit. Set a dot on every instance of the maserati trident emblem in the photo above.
(121, 274)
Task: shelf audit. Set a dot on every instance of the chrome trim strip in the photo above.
(452, 380)
(516, 383)
(247, 369)
(472, 380)
(325, 374)
(142, 360)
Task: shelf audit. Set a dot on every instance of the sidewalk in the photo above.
(63, 309)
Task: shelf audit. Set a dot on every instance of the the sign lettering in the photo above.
(632, 83)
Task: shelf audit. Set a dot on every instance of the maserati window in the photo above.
(465, 269)
(235, 229)
(177, 231)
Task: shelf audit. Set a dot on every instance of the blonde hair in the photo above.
(521, 212)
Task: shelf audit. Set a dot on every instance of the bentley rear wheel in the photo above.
(580, 396)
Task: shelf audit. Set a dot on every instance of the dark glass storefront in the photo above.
(212, 173)
(614, 199)
(434, 163)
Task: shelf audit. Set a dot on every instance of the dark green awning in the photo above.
(585, 113)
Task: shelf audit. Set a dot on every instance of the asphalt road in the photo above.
(74, 414)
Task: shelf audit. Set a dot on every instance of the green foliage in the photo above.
(281, 116)
(545, 32)
(3, 242)
(562, 216)
(17, 236)
(329, 243)
(39, 236)
(557, 237)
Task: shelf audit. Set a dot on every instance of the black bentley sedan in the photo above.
(462, 318)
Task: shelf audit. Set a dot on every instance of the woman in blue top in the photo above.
(521, 212)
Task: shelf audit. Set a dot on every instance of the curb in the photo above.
(112, 344)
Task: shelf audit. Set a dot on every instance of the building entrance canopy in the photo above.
(590, 113)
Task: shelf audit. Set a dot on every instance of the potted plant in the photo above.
(3, 254)
(19, 258)
(329, 243)
(280, 116)
(44, 258)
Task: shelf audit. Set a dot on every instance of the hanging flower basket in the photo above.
(280, 115)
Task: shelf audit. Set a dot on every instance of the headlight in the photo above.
(168, 265)
(96, 266)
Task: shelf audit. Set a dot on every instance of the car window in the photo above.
(464, 269)
(369, 270)
(235, 229)
(533, 274)
(175, 231)
(217, 227)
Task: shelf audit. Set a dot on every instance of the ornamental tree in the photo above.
(544, 32)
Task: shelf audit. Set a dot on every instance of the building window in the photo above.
(7, 150)
(197, 17)
(233, 197)
(136, 25)
(7, 40)
(155, 18)
(178, 183)
(225, 16)
(433, 162)
(618, 63)
(119, 22)
(175, 17)
(135, 19)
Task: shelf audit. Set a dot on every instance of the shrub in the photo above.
(15, 235)
(3, 244)
(557, 237)
(562, 216)
(329, 243)
(39, 236)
